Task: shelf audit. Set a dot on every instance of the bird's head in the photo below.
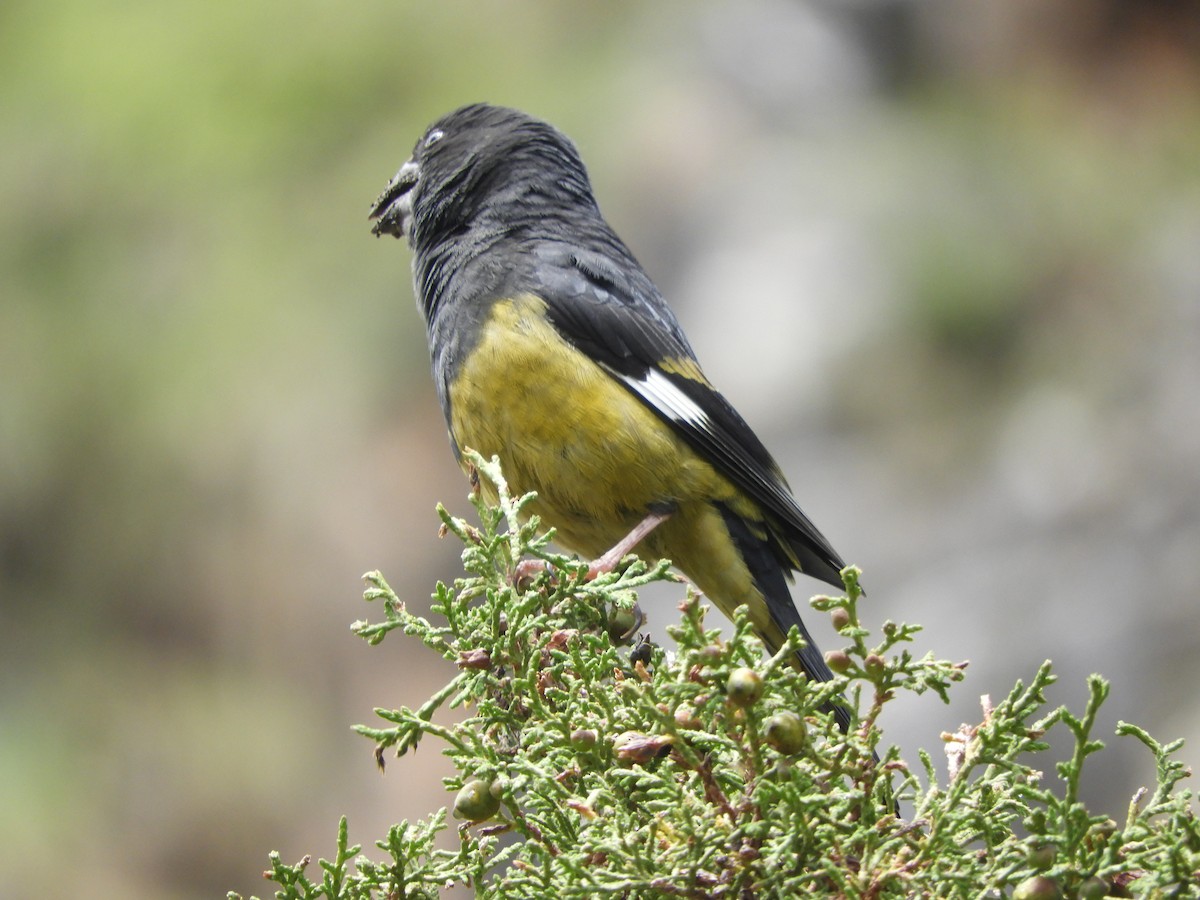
(477, 161)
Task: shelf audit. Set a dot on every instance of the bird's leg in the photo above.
(528, 568)
(614, 555)
(617, 552)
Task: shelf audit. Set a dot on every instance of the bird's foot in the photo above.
(528, 569)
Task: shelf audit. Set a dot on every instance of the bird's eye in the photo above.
(433, 137)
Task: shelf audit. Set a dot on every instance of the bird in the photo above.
(552, 348)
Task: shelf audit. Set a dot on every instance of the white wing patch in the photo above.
(663, 395)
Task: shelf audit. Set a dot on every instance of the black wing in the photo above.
(612, 312)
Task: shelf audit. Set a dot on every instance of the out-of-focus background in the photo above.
(945, 257)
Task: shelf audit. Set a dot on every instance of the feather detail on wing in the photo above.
(622, 322)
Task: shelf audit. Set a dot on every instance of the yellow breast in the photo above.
(562, 426)
(598, 458)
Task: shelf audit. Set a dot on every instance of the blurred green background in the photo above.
(944, 257)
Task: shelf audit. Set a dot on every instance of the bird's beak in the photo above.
(393, 210)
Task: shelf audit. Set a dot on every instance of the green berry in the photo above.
(584, 738)
(744, 687)
(710, 654)
(838, 661)
(478, 800)
(1042, 857)
(623, 623)
(785, 732)
(1039, 887)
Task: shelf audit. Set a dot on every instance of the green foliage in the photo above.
(590, 768)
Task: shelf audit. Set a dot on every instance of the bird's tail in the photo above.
(770, 578)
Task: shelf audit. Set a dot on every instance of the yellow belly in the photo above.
(597, 457)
